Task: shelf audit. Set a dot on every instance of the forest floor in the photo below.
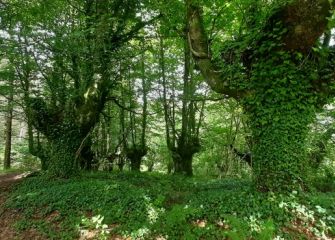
(131, 206)
(8, 217)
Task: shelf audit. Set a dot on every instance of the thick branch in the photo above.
(305, 21)
(200, 50)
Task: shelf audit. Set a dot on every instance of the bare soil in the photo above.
(8, 217)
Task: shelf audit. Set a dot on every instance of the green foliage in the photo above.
(146, 206)
(279, 118)
(95, 224)
(99, 49)
(324, 180)
(224, 125)
(279, 79)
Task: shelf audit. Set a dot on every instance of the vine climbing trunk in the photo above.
(280, 112)
(282, 83)
(63, 146)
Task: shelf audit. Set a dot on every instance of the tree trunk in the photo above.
(280, 111)
(188, 141)
(8, 144)
(135, 156)
(182, 164)
(135, 163)
(63, 159)
(87, 161)
(282, 90)
(151, 166)
(279, 154)
(121, 163)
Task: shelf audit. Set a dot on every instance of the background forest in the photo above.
(173, 119)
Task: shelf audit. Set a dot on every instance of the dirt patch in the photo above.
(9, 217)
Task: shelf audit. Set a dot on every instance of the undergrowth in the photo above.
(151, 206)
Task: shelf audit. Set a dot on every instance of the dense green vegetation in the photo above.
(145, 206)
(194, 119)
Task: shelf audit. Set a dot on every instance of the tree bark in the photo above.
(135, 156)
(199, 47)
(8, 131)
(279, 109)
(182, 162)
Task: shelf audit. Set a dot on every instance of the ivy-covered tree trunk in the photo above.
(67, 134)
(62, 156)
(280, 111)
(68, 151)
(279, 80)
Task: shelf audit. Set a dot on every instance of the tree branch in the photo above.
(199, 46)
(305, 21)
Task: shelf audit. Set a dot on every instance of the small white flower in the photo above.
(320, 209)
(278, 238)
(282, 204)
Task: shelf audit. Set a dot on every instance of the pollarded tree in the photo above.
(136, 143)
(76, 46)
(183, 110)
(277, 69)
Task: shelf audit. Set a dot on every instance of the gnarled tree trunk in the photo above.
(282, 87)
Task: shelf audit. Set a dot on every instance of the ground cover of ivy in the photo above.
(156, 206)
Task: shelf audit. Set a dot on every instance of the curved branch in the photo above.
(198, 42)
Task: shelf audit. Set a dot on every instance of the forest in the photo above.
(167, 119)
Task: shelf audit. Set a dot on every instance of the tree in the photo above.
(7, 74)
(182, 141)
(137, 148)
(21, 59)
(80, 51)
(279, 73)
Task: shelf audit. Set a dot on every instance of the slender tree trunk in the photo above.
(145, 90)
(123, 134)
(169, 141)
(138, 148)
(9, 119)
(121, 163)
